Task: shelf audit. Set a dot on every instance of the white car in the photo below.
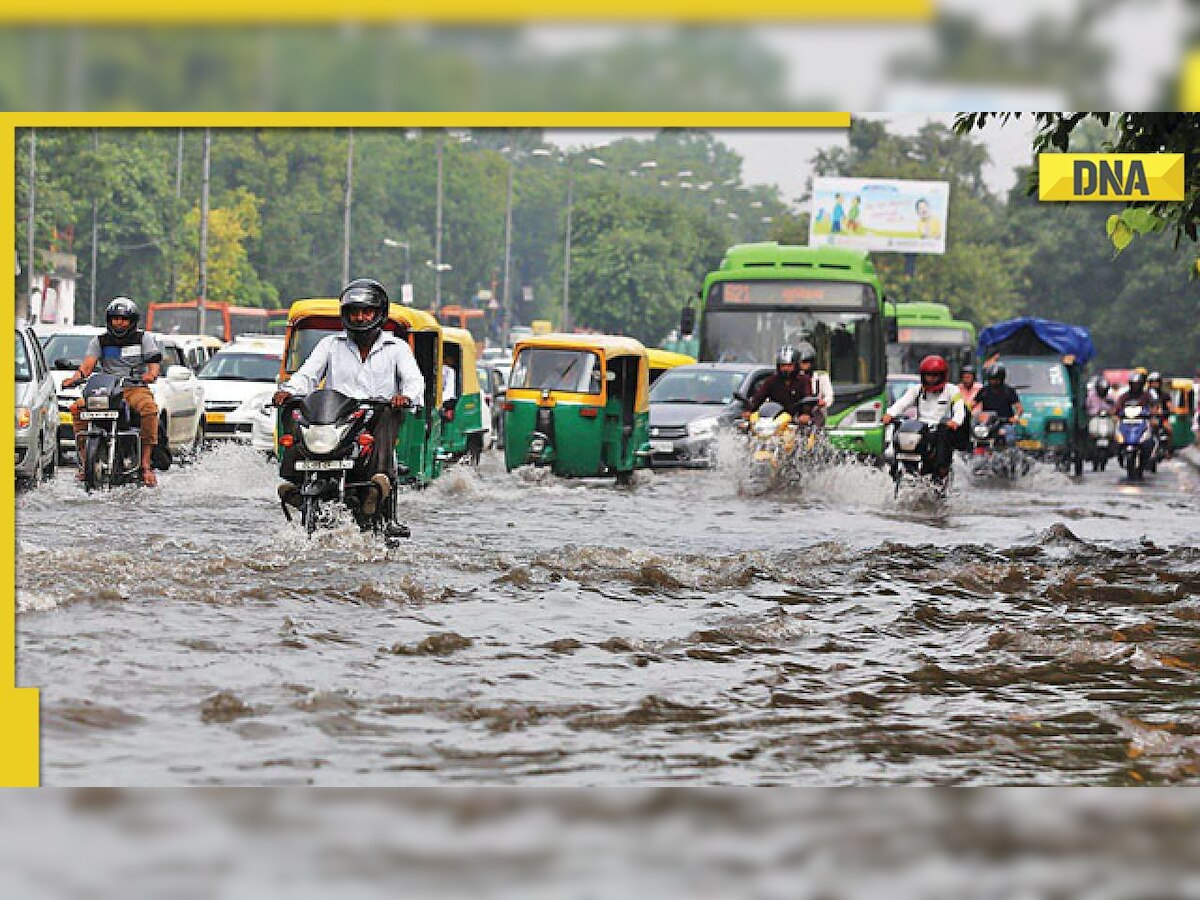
(178, 393)
(238, 380)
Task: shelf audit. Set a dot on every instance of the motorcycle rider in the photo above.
(125, 351)
(789, 386)
(1001, 400)
(968, 386)
(1136, 391)
(1154, 384)
(366, 363)
(937, 402)
(1098, 398)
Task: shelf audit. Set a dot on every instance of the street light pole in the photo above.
(437, 246)
(23, 310)
(203, 280)
(566, 305)
(506, 322)
(349, 199)
(92, 271)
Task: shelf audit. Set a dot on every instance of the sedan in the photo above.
(689, 405)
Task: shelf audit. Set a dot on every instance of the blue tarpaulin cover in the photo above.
(1022, 335)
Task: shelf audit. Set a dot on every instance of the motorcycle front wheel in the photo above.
(95, 464)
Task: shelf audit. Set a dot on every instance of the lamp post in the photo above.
(566, 305)
(407, 286)
(437, 244)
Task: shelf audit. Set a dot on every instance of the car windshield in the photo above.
(1035, 376)
(70, 347)
(241, 367)
(24, 371)
(710, 386)
(544, 368)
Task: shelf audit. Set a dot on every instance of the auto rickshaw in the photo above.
(578, 404)
(662, 360)
(419, 437)
(1181, 402)
(464, 432)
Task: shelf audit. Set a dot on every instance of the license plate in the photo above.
(215, 418)
(1030, 445)
(1102, 442)
(323, 465)
(105, 414)
(908, 457)
(662, 447)
(64, 418)
(761, 455)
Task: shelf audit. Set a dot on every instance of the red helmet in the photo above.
(937, 367)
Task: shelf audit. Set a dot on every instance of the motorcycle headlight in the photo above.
(323, 438)
(98, 402)
(981, 431)
(706, 427)
(764, 427)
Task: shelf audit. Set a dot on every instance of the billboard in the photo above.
(879, 214)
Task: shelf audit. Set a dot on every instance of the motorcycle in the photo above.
(1136, 440)
(914, 454)
(326, 440)
(1102, 430)
(991, 455)
(780, 447)
(112, 443)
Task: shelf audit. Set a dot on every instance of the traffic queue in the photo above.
(361, 397)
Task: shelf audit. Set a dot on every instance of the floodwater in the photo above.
(550, 632)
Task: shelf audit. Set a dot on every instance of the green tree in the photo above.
(231, 276)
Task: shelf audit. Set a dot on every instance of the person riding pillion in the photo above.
(1001, 400)
(124, 351)
(365, 363)
(790, 386)
(968, 386)
(937, 402)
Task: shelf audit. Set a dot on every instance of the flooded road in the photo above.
(538, 631)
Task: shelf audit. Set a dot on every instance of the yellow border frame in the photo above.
(19, 720)
(458, 12)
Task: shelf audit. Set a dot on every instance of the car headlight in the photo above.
(706, 427)
(323, 438)
(24, 417)
(262, 405)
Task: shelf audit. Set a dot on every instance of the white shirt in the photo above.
(448, 387)
(932, 406)
(823, 387)
(389, 369)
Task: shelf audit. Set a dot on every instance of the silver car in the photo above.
(36, 411)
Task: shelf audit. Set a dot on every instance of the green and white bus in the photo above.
(765, 295)
(922, 329)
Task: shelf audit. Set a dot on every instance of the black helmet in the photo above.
(808, 353)
(997, 371)
(1102, 386)
(787, 356)
(123, 308)
(968, 369)
(364, 293)
(1137, 381)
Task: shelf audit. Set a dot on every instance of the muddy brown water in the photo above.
(540, 631)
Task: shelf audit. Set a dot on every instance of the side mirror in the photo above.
(687, 320)
(893, 329)
(740, 396)
(178, 373)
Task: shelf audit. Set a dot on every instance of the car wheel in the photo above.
(51, 465)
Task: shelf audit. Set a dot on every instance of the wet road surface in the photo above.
(539, 631)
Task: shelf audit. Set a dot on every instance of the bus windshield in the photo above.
(247, 323)
(848, 344)
(186, 320)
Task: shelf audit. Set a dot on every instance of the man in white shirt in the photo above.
(937, 402)
(365, 363)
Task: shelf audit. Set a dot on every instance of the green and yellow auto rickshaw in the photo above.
(418, 441)
(1181, 404)
(663, 360)
(464, 432)
(578, 404)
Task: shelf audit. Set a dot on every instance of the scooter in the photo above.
(1102, 429)
(327, 445)
(1135, 440)
(991, 455)
(780, 448)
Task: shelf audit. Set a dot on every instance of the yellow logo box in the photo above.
(1110, 176)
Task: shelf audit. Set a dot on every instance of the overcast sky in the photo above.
(783, 157)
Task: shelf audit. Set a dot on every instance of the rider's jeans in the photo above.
(141, 401)
(1009, 433)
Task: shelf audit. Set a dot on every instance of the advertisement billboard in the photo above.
(879, 214)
